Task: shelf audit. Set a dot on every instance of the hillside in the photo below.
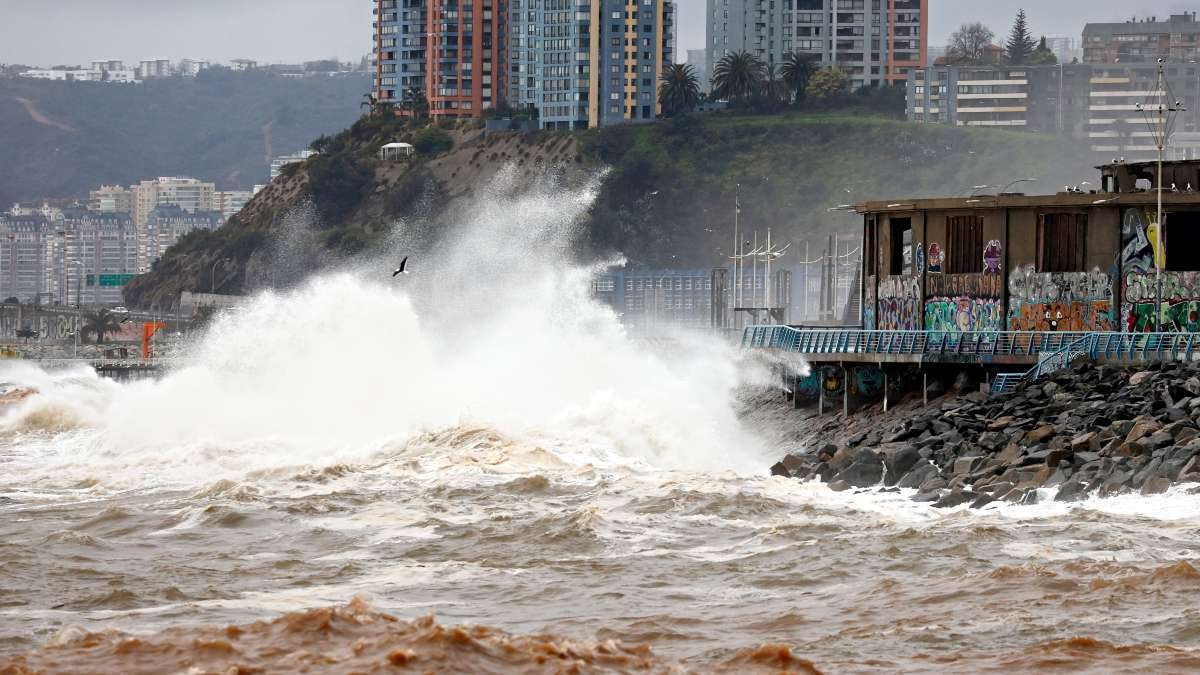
(666, 198)
(60, 139)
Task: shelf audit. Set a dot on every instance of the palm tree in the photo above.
(415, 103)
(99, 323)
(797, 68)
(736, 76)
(774, 89)
(679, 91)
(369, 103)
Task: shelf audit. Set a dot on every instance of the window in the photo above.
(1062, 246)
(964, 244)
(1181, 239)
(901, 251)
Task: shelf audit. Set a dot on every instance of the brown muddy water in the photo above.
(608, 569)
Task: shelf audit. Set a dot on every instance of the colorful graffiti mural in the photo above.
(866, 382)
(958, 303)
(829, 379)
(1180, 302)
(936, 257)
(858, 382)
(1060, 301)
(1136, 232)
(898, 298)
(1140, 295)
(920, 257)
(993, 257)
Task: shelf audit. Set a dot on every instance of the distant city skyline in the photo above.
(292, 31)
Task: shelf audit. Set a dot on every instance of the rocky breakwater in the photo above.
(1091, 430)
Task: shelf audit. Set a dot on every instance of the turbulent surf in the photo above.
(480, 442)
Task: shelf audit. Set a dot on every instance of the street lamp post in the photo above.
(78, 286)
(1160, 120)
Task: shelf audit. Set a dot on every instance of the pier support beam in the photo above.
(795, 392)
(845, 392)
(885, 390)
(821, 397)
(925, 387)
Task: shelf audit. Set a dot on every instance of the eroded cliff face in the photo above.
(282, 235)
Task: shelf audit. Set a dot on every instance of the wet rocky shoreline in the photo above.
(1088, 431)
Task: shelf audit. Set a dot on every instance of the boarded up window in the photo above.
(964, 244)
(1062, 243)
(901, 253)
(1181, 238)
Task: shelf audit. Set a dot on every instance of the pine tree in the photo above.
(1020, 42)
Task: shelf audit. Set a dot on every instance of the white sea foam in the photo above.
(494, 329)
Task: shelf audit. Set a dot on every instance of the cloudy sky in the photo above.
(49, 32)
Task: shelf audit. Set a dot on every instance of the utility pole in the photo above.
(1160, 121)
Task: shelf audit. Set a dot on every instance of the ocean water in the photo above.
(481, 443)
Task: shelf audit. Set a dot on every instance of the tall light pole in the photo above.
(78, 281)
(735, 292)
(1160, 120)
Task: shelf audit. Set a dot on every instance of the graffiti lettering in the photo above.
(1060, 301)
(898, 303)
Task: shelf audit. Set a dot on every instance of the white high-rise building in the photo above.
(278, 163)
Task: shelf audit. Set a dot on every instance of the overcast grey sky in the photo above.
(49, 32)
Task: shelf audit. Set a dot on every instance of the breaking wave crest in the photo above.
(493, 334)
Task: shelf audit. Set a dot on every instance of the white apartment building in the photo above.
(231, 201)
(874, 41)
(190, 194)
(111, 199)
(278, 163)
(192, 67)
(154, 68)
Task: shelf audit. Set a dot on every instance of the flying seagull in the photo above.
(400, 270)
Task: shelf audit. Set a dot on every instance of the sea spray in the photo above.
(494, 327)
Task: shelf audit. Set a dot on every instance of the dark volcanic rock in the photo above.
(1088, 430)
(955, 498)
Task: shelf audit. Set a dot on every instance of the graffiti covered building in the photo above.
(1073, 261)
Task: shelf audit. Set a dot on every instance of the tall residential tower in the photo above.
(450, 50)
(874, 41)
(589, 63)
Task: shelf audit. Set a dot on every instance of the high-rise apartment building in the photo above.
(1093, 103)
(166, 225)
(190, 194)
(97, 253)
(229, 202)
(1176, 39)
(698, 60)
(589, 63)
(27, 244)
(874, 41)
(278, 163)
(111, 199)
(451, 50)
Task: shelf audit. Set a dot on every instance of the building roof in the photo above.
(1068, 200)
(1140, 27)
(390, 146)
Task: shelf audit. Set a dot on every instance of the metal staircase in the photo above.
(1049, 362)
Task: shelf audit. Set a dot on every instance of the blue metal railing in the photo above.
(973, 346)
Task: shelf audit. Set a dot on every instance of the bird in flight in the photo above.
(400, 270)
